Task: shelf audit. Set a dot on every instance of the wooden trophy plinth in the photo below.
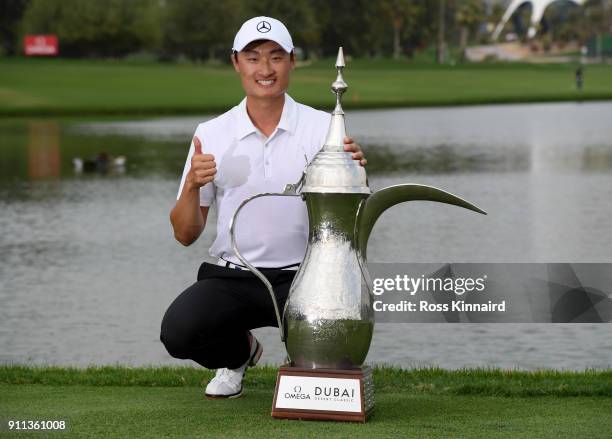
(323, 394)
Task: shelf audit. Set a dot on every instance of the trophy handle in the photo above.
(290, 191)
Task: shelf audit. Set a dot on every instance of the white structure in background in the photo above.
(537, 11)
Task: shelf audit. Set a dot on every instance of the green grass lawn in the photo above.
(168, 402)
(77, 87)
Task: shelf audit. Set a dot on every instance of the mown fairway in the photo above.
(55, 87)
(168, 402)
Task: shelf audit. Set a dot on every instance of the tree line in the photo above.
(204, 29)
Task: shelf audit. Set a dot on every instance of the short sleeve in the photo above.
(207, 192)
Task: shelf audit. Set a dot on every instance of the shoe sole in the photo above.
(235, 395)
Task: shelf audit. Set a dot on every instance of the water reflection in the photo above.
(445, 159)
(597, 158)
(34, 151)
(45, 160)
(44, 155)
(448, 159)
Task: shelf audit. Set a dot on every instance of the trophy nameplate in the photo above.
(323, 394)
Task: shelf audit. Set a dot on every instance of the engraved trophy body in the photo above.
(328, 319)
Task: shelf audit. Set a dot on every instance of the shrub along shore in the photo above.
(60, 87)
(115, 401)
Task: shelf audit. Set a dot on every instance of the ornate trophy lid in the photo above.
(333, 170)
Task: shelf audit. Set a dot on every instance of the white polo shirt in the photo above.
(270, 231)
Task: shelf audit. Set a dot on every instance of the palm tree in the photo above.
(399, 13)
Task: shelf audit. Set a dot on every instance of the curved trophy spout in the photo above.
(371, 208)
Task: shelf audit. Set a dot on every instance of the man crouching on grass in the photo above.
(258, 146)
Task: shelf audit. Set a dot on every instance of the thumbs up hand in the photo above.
(203, 166)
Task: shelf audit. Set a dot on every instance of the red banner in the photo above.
(41, 45)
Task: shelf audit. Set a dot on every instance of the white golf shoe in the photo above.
(227, 383)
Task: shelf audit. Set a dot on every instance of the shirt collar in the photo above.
(287, 121)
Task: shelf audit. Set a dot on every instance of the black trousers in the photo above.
(208, 322)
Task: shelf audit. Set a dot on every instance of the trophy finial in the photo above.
(339, 86)
(340, 58)
(337, 131)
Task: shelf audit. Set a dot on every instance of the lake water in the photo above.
(88, 263)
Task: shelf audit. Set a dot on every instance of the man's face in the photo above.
(264, 69)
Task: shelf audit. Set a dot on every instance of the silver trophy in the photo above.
(328, 320)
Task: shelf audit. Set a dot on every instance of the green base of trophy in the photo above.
(323, 394)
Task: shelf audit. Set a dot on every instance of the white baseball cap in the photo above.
(263, 28)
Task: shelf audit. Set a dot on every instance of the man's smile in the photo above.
(266, 82)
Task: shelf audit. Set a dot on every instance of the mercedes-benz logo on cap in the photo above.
(297, 389)
(264, 27)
